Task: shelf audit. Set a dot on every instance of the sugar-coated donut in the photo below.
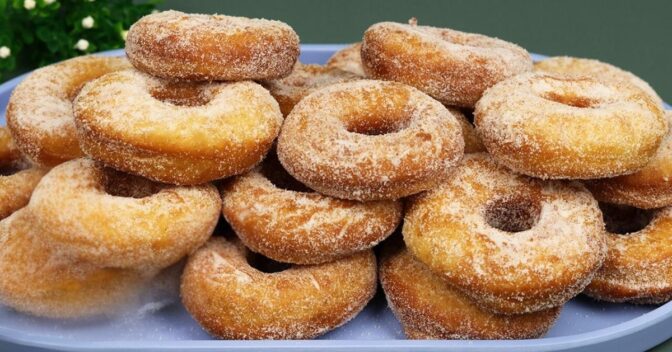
(113, 219)
(348, 59)
(601, 71)
(370, 140)
(233, 300)
(36, 279)
(569, 128)
(179, 133)
(428, 308)
(648, 188)
(273, 215)
(39, 113)
(513, 244)
(453, 67)
(638, 267)
(304, 80)
(173, 44)
(472, 142)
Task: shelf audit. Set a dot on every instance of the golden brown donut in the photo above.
(38, 280)
(180, 133)
(113, 219)
(569, 128)
(430, 309)
(173, 44)
(275, 215)
(648, 188)
(511, 243)
(304, 80)
(453, 67)
(472, 142)
(348, 59)
(370, 140)
(39, 113)
(233, 300)
(638, 267)
(601, 71)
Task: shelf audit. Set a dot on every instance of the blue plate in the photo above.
(584, 325)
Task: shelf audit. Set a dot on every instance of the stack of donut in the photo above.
(505, 188)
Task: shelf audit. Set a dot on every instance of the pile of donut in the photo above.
(117, 169)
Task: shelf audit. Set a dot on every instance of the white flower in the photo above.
(29, 4)
(49, 2)
(124, 34)
(87, 22)
(5, 52)
(82, 44)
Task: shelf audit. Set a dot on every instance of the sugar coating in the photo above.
(348, 59)
(556, 127)
(218, 130)
(233, 300)
(173, 44)
(370, 140)
(303, 227)
(507, 272)
(141, 225)
(452, 66)
(472, 142)
(638, 267)
(428, 308)
(304, 80)
(648, 188)
(40, 113)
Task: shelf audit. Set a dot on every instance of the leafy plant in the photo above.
(35, 33)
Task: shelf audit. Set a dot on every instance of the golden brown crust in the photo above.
(39, 113)
(348, 59)
(112, 219)
(472, 142)
(385, 140)
(303, 227)
(569, 128)
(428, 308)
(453, 67)
(304, 80)
(38, 280)
(233, 300)
(179, 133)
(173, 44)
(638, 267)
(512, 243)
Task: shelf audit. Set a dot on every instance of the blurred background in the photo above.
(634, 35)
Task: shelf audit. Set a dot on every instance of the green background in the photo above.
(634, 35)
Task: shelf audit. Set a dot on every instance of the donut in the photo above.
(17, 177)
(276, 216)
(37, 280)
(370, 140)
(430, 309)
(39, 112)
(179, 133)
(176, 45)
(108, 218)
(304, 80)
(511, 243)
(601, 71)
(453, 67)
(348, 59)
(231, 299)
(638, 267)
(472, 142)
(569, 128)
(648, 188)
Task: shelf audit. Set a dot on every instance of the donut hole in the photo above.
(570, 99)
(181, 93)
(272, 169)
(377, 124)
(119, 184)
(623, 219)
(9, 170)
(513, 213)
(264, 264)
